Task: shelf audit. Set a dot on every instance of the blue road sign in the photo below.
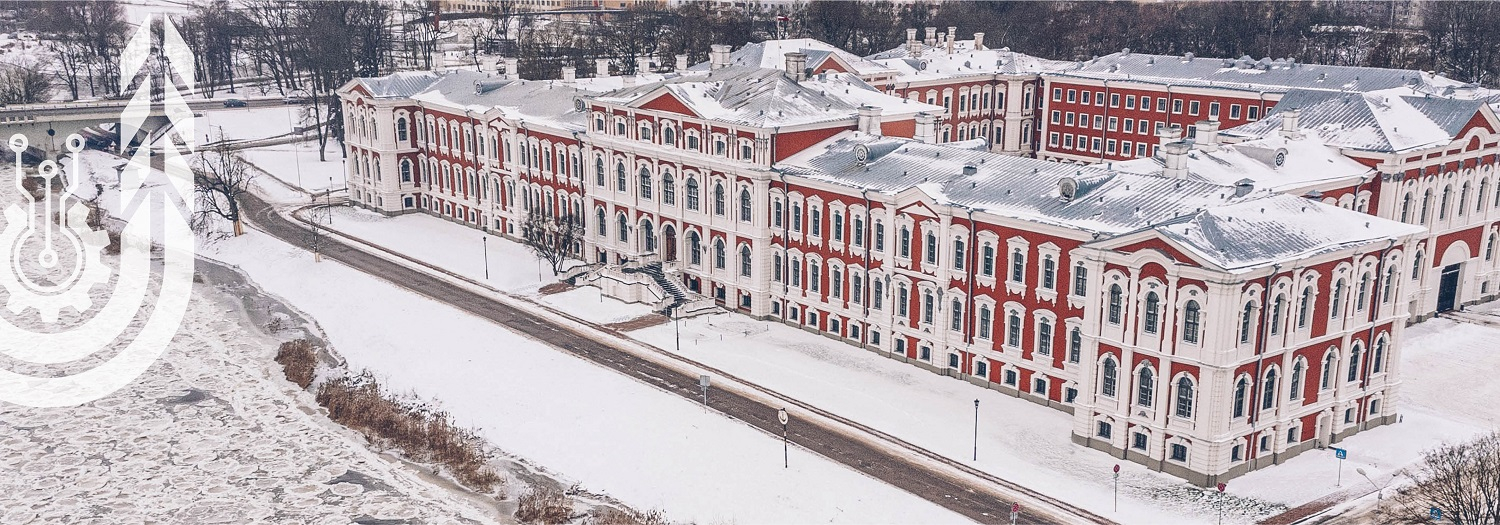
(1435, 513)
(1340, 453)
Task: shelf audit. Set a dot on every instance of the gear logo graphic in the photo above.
(56, 271)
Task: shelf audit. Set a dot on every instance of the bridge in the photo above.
(61, 119)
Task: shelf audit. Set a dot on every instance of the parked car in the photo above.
(295, 98)
(234, 103)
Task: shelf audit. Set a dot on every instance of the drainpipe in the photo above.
(969, 272)
(786, 207)
(1104, 133)
(865, 241)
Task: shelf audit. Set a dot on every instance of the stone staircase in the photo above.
(675, 296)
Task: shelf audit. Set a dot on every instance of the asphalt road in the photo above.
(985, 503)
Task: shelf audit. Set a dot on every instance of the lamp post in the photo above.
(485, 239)
(1117, 487)
(976, 430)
(329, 195)
(1379, 491)
(785, 456)
(296, 159)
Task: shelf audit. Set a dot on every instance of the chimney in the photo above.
(913, 47)
(513, 68)
(952, 35)
(1174, 154)
(869, 119)
(931, 39)
(1243, 187)
(911, 36)
(796, 66)
(1207, 136)
(682, 63)
(601, 67)
(642, 65)
(1291, 123)
(569, 74)
(978, 41)
(926, 128)
(1167, 134)
(718, 58)
(488, 64)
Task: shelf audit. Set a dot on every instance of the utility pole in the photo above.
(1117, 487)
(785, 456)
(486, 241)
(976, 430)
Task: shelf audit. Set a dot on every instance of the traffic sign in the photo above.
(1221, 487)
(1435, 513)
(1340, 453)
(781, 415)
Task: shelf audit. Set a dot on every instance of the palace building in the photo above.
(1217, 305)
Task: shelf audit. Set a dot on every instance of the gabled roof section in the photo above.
(1266, 74)
(771, 54)
(767, 97)
(936, 63)
(1303, 163)
(1391, 120)
(1243, 236)
(667, 102)
(397, 85)
(538, 101)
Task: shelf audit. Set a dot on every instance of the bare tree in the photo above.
(315, 237)
(551, 238)
(220, 177)
(24, 83)
(1463, 480)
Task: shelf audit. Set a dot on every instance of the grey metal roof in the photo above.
(1107, 202)
(772, 54)
(1277, 228)
(399, 85)
(545, 101)
(767, 97)
(1268, 75)
(1389, 120)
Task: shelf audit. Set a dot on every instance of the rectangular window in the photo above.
(1130, 125)
(1098, 121)
(1179, 452)
(1098, 98)
(1096, 145)
(1234, 111)
(1129, 101)
(1177, 105)
(1071, 118)
(1213, 110)
(1161, 105)
(1114, 100)
(1110, 146)
(1138, 441)
(1193, 107)
(1053, 139)
(1104, 430)
(1253, 113)
(1057, 94)
(1056, 117)
(1145, 103)
(1068, 141)
(1114, 123)
(815, 222)
(1072, 95)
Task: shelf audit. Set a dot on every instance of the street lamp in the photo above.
(976, 430)
(485, 240)
(1379, 491)
(785, 456)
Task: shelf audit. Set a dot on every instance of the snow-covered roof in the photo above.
(549, 102)
(771, 54)
(1256, 233)
(938, 64)
(1274, 163)
(1246, 73)
(1391, 120)
(1106, 201)
(767, 97)
(398, 85)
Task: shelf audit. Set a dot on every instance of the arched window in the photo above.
(668, 188)
(1463, 200)
(1268, 393)
(1377, 359)
(648, 234)
(405, 170)
(1416, 265)
(1049, 273)
(984, 321)
(745, 211)
(1489, 249)
(599, 171)
(619, 176)
(1406, 208)
(1354, 363)
(1484, 190)
(668, 135)
(645, 182)
(1044, 337)
(931, 251)
(1241, 390)
(1013, 329)
(1184, 397)
(1075, 345)
(1107, 379)
(1327, 380)
(746, 264)
(956, 311)
(927, 307)
(719, 254)
(1191, 317)
(1390, 284)
(1153, 312)
(718, 199)
(1247, 324)
(988, 262)
(1426, 202)
(1336, 305)
(1362, 294)
(905, 243)
(695, 249)
(1115, 297)
(1080, 279)
(401, 129)
(622, 227)
(1443, 204)
(1145, 387)
(1304, 311)
(603, 226)
(692, 194)
(1298, 369)
(1277, 309)
(879, 230)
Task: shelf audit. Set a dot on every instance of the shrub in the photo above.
(614, 516)
(113, 248)
(298, 361)
(358, 402)
(544, 505)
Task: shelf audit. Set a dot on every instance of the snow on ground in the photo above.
(248, 123)
(210, 433)
(450, 246)
(589, 304)
(649, 448)
(297, 164)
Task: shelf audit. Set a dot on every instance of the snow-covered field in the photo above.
(453, 247)
(298, 165)
(646, 447)
(249, 123)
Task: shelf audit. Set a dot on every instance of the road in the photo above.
(113, 107)
(985, 503)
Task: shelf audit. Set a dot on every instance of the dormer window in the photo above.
(620, 127)
(692, 142)
(719, 148)
(599, 123)
(668, 135)
(746, 152)
(645, 132)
